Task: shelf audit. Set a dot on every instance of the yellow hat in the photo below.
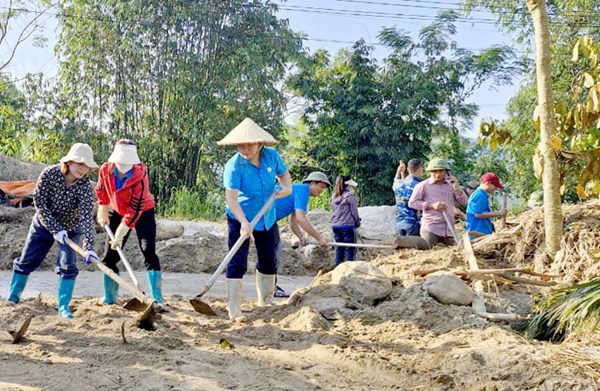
(248, 132)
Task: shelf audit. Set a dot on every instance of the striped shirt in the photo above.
(428, 192)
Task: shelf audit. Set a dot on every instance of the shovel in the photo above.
(133, 304)
(199, 305)
(146, 320)
(357, 245)
(450, 226)
(19, 334)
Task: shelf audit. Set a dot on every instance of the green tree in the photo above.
(175, 76)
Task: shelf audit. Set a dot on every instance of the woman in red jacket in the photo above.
(123, 184)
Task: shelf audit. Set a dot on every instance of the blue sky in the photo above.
(335, 24)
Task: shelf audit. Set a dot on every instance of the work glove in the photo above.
(102, 216)
(88, 255)
(61, 237)
(120, 234)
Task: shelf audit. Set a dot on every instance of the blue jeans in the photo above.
(266, 244)
(37, 245)
(344, 235)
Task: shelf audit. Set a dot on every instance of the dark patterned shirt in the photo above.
(61, 208)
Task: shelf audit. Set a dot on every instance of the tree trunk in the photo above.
(550, 177)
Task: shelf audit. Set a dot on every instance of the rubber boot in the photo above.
(155, 281)
(65, 293)
(111, 290)
(16, 286)
(234, 291)
(265, 286)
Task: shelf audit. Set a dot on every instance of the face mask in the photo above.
(123, 168)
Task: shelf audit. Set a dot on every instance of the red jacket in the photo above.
(132, 199)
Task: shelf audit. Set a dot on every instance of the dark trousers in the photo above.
(145, 228)
(266, 244)
(434, 239)
(37, 245)
(344, 235)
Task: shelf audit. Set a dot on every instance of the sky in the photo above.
(333, 25)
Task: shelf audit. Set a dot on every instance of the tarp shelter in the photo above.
(17, 193)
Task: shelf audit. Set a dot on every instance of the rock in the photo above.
(378, 222)
(448, 289)
(366, 283)
(307, 319)
(167, 230)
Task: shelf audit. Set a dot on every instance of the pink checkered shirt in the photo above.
(428, 192)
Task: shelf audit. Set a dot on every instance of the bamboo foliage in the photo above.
(175, 76)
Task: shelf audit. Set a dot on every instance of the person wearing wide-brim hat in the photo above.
(64, 208)
(123, 185)
(344, 217)
(295, 206)
(437, 194)
(250, 177)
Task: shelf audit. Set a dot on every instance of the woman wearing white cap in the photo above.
(123, 185)
(64, 205)
(344, 217)
(250, 177)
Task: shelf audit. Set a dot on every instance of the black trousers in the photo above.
(145, 228)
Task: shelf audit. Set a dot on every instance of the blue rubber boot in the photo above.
(65, 293)
(16, 286)
(155, 280)
(111, 290)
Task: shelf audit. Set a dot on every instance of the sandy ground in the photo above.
(408, 341)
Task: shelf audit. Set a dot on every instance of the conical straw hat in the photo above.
(248, 132)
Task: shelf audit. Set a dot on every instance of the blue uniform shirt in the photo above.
(479, 202)
(297, 200)
(255, 185)
(119, 183)
(403, 189)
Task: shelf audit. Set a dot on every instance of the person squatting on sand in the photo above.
(439, 193)
(64, 207)
(295, 206)
(250, 178)
(344, 217)
(124, 186)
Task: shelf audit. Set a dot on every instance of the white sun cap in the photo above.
(124, 154)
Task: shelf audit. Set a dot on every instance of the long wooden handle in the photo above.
(104, 269)
(504, 204)
(357, 245)
(124, 259)
(211, 281)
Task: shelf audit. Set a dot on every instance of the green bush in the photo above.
(191, 204)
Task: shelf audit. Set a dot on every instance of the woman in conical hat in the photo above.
(64, 208)
(250, 177)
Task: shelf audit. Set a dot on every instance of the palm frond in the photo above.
(567, 310)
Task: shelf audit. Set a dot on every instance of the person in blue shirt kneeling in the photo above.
(479, 214)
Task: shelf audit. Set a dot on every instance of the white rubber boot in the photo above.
(234, 291)
(265, 286)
